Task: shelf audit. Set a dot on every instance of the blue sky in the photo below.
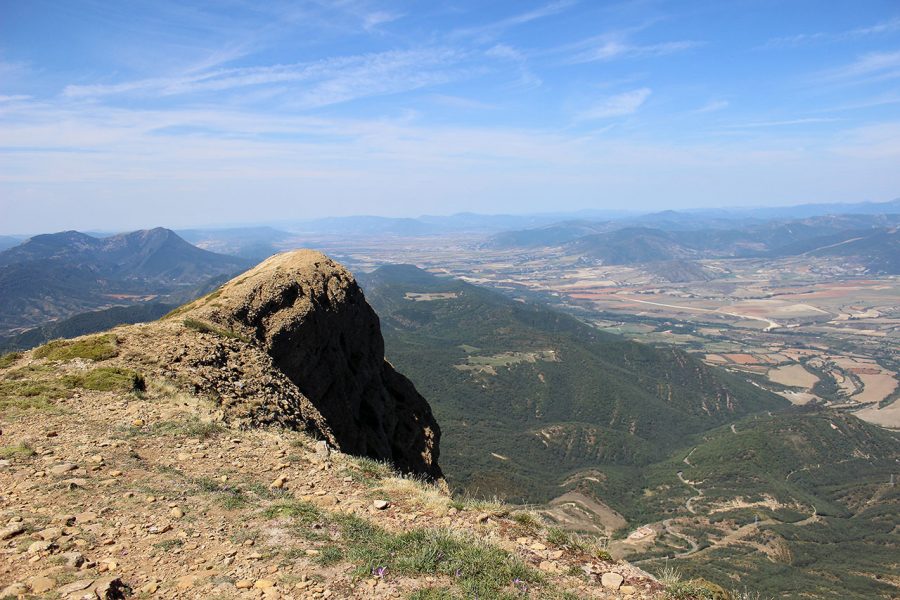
(133, 114)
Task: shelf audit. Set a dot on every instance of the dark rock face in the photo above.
(310, 316)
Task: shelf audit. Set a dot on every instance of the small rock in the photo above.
(75, 483)
(42, 546)
(97, 459)
(75, 586)
(322, 449)
(150, 588)
(183, 457)
(611, 581)
(538, 547)
(62, 468)
(12, 531)
(137, 423)
(381, 504)
(63, 519)
(41, 584)
(278, 483)
(14, 591)
(176, 513)
(151, 499)
(243, 584)
(627, 590)
(50, 534)
(186, 582)
(111, 588)
(73, 559)
(262, 584)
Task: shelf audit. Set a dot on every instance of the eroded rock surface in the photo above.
(311, 319)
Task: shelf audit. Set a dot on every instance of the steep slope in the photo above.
(794, 504)
(143, 497)
(58, 275)
(529, 396)
(879, 252)
(309, 316)
(149, 461)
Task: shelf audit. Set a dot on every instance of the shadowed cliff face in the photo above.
(310, 316)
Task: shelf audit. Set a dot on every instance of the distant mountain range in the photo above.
(871, 239)
(59, 275)
(252, 243)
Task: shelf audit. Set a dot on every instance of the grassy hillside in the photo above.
(528, 396)
(785, 503)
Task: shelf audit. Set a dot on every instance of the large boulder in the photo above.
(307, 313)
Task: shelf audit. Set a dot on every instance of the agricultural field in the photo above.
(816, 332)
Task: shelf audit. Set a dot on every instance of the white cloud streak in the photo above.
(619, 105)
(310, 84)
(889, 26)
(875, 66)
(605, 49)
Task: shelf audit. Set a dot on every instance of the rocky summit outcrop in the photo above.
(311, 319)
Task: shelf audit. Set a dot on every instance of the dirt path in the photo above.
(689, 503)
(770, 323)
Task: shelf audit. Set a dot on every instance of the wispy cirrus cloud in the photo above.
(309, 84)
(374, 19)
(608, 48)
(883, 27)
(712, 106)
(620, 105)
(490, 30)
(874, 66)
(782, 123)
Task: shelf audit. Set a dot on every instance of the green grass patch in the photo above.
(479, 569)
(369, 471)
(208, 328)
(433, 593)
(330, 555)
(24, 394)
(96, 348)
(20, 450)
(528, 522)
(578, 543)
(108, 379)
(305, 512)
(696, 589)
(9, 358)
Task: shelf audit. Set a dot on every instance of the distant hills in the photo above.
(251, 243)
(59, 275)
(732, 480)
(806, 496)
(527, 396)
(84, 323)
(869, 239)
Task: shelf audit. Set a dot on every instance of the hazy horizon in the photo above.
(113, 117)
(588, 214)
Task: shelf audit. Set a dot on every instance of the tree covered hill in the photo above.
(528, 395)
